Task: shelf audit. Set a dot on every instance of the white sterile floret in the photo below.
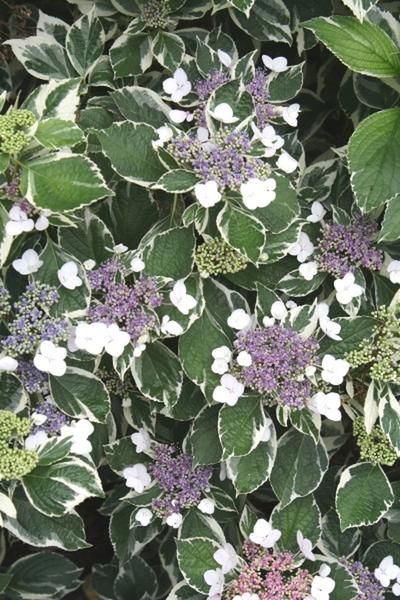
(258, 193)
(165, 134)
(286, 163)
(278, 64)
(317, 212)
(137, 477)
(347, 289)
(18, 222)
(141, 440)
(34, 440)
(79, 431)
(264, 534)
(91, 337)
(174, 520)
(28, 263)
(244, 359)
(329, 327)
(207, 193)
(290, 114)
(42, 223)
(393, 269)
(143, 516)
(8, 363)
(334, 369)
(68, 275)
(269, 138)
(229, 391)
(138, 350)
(224, 58)
(120, 248)
(180, 299)
(396, 587)
(239, 319)
(303, 248)
(206, 506)
(38, 419)
(308, 270)
(116, 340)
(226, 557)
(170, 327)
(137, 265)
(178, 86)
(180, 116)
(279, 310)
(50, 358)
(222, 356)
(327, 405)
(386, 571)
(268, 321)
(215, 579)
(305, 546)
(223, 112)
(322, 587)
(89, 264)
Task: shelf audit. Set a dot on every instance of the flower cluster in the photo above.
(154, 13)
(13, 135)
(5, 303)
(205, 87)
(217, 258)
(47, 417)
(277, 360)
(181, 483)
(14, 462)
(369, 587)
(258, 89)
(373, 446)
(342, 248)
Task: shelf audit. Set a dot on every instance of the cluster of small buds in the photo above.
(369, 587)
(181, 483)
(271, 576)
(52, 418)
(154, 14)
(32, 323)
(12, 186)
(227, 160)
(205, 87)
(379, 351)
(258, 89)
(113, 383)
(342, 248)
(33, 380)
(276, 361)
(14, 462)
(13, 137)
(217, 258)
(5, 303)
(375, 446)
(129, 306)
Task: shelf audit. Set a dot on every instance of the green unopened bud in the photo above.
(217, 258)
(12, 426)
(375, 446)
(16, 462)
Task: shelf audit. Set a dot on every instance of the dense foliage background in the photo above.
(199, 335)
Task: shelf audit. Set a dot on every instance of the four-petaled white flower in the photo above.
(174, 520)
(143, 516)
(329, 327)
(223, 112)
(28, 263)
(68, 275)
(224, 57)
(178, 86)
(317, 212)
(90, 337)
(258, 193)
(137, 477)
(239, 319)
(327, 405)
(229, 391)
(180, 116)
(386, 571)
(116, 340)
(308, 270)
(269, 138)
(347, 289)
(305, 546)
(278, 64)
(322, 586)
(19, 222)
(141, 440)
(264, 534)
(8, 363)
(334, 369)
(215, 579)
(50, 358)
(165, 134)
(244, 359)
(222, 356)
(184, 302)
(393, 269)
(290, 114)
(170, 327)
(226, 557)
(286, 163)
(137, 265)
(206, 506)
(279, 310)
(79, 431)
(207, 193)
(303, 248)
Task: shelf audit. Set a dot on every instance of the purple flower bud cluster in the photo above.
(205, 87)
(226, 160)
(258, 89)
(181, 483)
(130, 306)
(33, 380)
(32, 324)
(55, 419)
(279, 358)
(12, 187)
(5, 304)
(270, 576)
(342, 248)
(369, 586)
